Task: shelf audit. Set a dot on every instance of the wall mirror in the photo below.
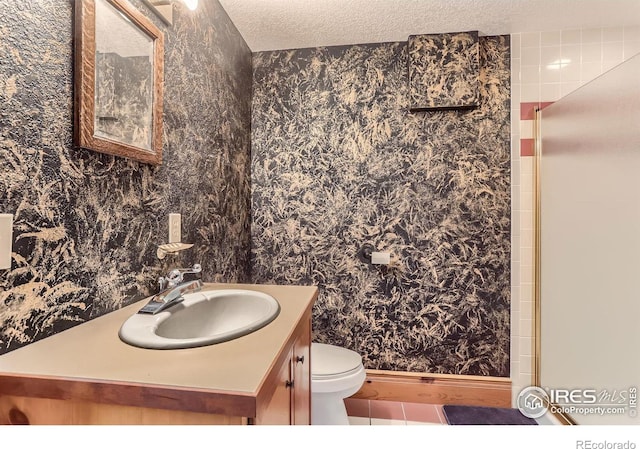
(118, 80)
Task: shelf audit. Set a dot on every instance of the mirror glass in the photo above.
(124, 79)
(118, 81)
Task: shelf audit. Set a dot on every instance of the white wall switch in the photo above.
(6, 240)
(175, 228)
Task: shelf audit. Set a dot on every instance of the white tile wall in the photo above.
(545, 67)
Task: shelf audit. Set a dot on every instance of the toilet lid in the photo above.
(329, 360)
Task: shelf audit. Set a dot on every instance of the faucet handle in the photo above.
(163, 283)
(194, 273)
(176, 276)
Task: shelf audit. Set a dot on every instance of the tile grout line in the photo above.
(440, 412)
(438, 409)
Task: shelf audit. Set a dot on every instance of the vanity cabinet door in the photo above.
(278, 410)
(301, 368)
(290, 402)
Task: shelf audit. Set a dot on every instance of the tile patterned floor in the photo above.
(370, 412)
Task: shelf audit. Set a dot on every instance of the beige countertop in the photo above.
(93, 351)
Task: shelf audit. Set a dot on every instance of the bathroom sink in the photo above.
(203, 318)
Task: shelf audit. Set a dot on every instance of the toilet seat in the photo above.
(355, 370)
(330, 362)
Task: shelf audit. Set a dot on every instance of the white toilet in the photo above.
(336, 373)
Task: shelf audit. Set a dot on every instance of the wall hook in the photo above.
(364, 254)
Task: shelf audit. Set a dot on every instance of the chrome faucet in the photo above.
(172, 288)
(177, 276)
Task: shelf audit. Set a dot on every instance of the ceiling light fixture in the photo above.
(164, 8)
(191, 4)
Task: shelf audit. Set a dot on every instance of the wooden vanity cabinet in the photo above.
(290, 400)
(284, 397)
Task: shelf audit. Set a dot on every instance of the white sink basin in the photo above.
(202, 319)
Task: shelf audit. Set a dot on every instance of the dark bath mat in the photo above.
(467, 415)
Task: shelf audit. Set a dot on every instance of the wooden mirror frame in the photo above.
(84, 83)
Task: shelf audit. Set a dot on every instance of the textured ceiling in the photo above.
(283, 24)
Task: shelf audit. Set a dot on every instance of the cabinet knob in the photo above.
(289, 384)
(300, 359)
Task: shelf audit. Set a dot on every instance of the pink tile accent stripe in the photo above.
(527, 109)
(527, 113)
(387, 410)
(397, 412)
(527, 147)
(357, 407)
(426, 413)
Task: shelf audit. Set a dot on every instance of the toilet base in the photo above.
(328, 409)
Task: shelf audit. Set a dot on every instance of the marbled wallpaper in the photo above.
(443, 70)
(87, 224)
(339, 162)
